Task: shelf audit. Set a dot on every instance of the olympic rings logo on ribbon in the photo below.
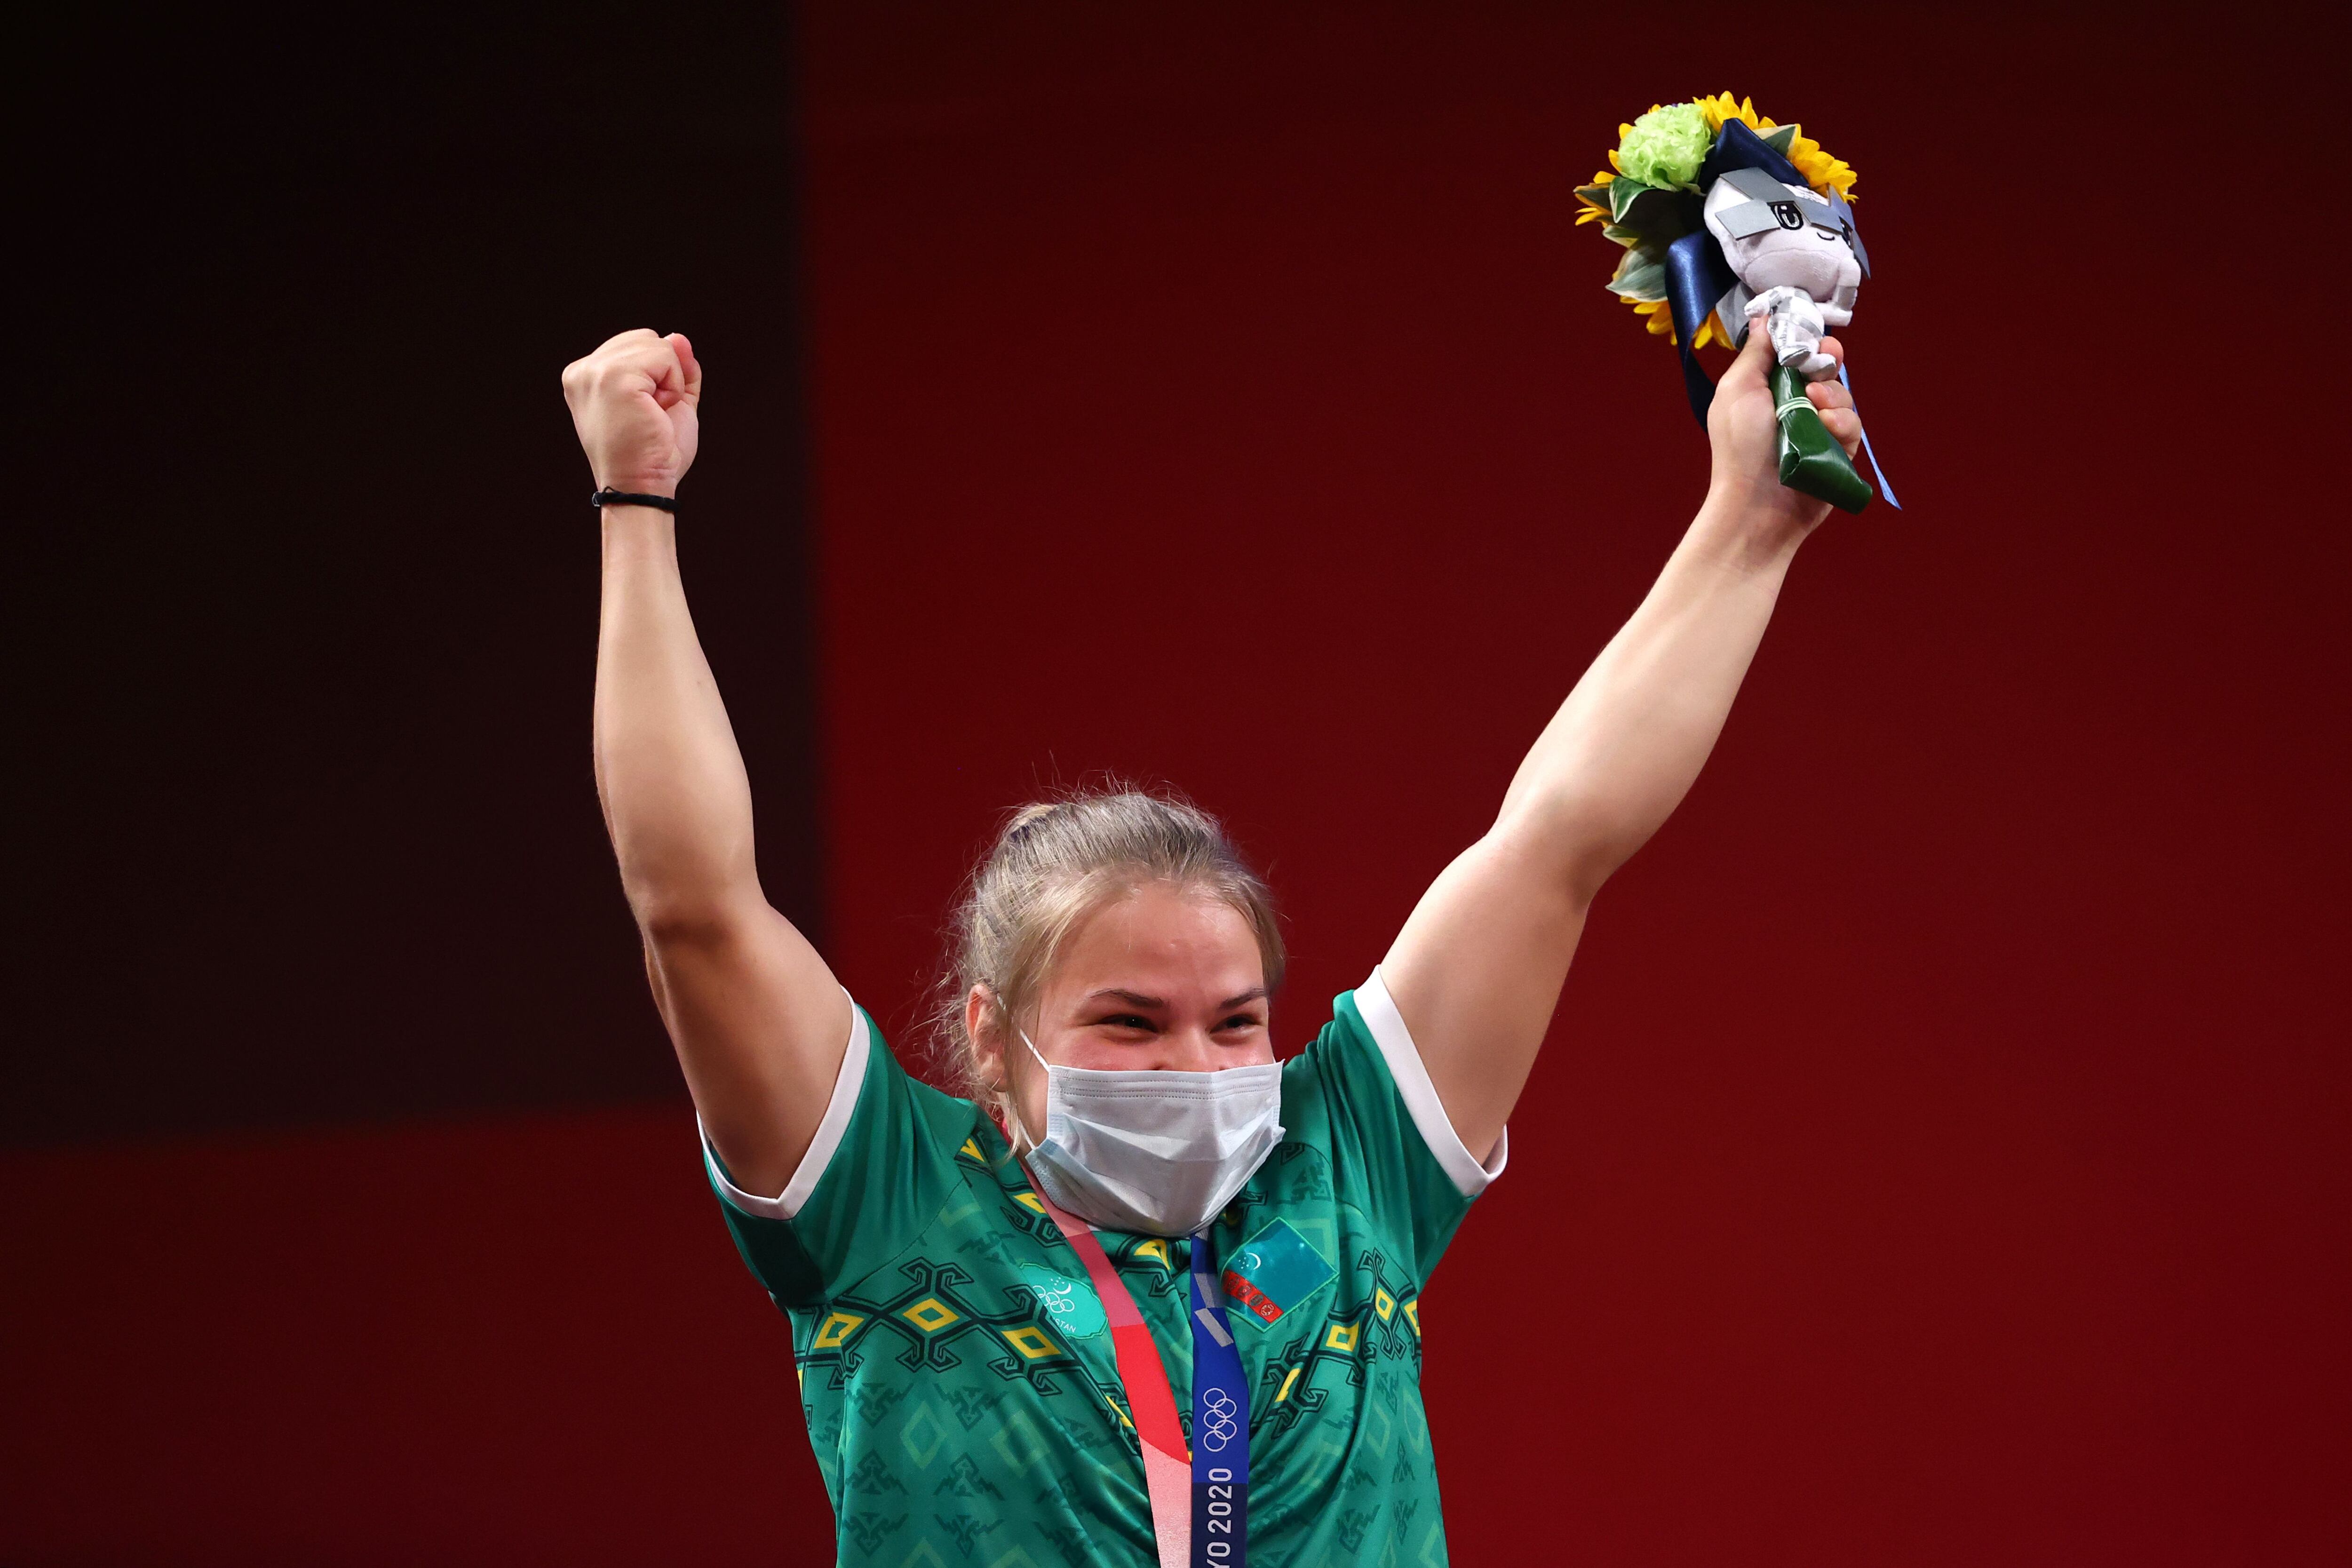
(1218, 1408)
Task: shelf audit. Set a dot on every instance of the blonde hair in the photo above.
(1055, 862)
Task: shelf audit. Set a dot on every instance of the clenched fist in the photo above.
(633, 402)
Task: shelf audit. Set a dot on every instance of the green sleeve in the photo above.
(881, 1166)
(1361, 1092)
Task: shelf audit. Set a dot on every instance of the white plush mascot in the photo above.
(1791, 253)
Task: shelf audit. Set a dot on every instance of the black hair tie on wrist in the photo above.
(608, 496)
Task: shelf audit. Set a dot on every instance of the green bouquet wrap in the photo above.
(1812, 461)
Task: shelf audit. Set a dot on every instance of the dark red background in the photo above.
(1939, 1156)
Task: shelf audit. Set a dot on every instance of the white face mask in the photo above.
(1152, 1151)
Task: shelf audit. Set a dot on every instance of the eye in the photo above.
(1241, 1021)
(1126, 1021)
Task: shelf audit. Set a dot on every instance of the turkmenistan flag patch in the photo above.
(1274, 1271)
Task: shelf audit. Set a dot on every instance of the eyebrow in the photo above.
(1138, 999)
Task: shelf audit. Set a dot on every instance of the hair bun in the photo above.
(1027, 817)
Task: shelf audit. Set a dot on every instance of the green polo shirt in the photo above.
(962, 1395)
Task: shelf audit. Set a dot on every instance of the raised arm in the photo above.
(1478, 967)
(759, 1022)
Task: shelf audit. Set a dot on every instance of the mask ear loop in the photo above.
(1009, 1102)
(1013, 1101)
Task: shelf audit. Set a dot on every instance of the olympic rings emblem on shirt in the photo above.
(1218, 1409)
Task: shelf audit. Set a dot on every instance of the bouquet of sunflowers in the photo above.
(1729, 221)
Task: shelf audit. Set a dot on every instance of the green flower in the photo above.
(1666, 146)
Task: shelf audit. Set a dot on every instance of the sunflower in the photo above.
(1820, 169)
(1660, 319)
(1590, 210)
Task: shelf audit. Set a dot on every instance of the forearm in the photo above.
(1629, 740)
(676, 801)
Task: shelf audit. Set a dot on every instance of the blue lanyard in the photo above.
(1216, 1532)
(1220, 1426)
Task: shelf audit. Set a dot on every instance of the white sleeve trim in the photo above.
(821, 1149)
(1405, 1066)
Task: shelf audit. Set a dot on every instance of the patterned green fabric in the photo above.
(962, 1393)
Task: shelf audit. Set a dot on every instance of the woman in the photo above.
(1144, 1294)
